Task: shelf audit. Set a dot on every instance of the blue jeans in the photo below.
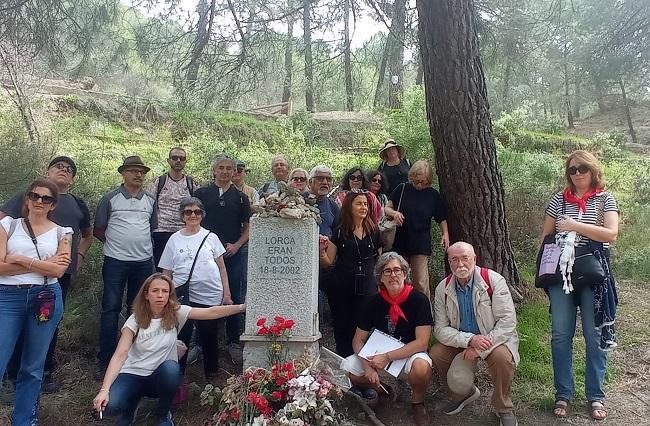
(127, 390)
(563, 327)
(116, 275)
(18, 307)
(234, 269)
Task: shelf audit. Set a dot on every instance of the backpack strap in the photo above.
(485, 274)
(162, 179)
(189, 180)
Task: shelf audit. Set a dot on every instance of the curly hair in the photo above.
(142, 308)
(345, 182)
(384, 181)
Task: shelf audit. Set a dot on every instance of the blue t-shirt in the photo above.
(464, 294)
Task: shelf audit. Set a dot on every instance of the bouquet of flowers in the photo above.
(278, 334)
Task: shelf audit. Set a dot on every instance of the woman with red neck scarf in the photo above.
(405, 314)
(583, 207)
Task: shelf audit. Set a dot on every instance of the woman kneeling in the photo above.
(145, 362)
(405, 315)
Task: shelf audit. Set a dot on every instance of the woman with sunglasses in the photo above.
(298, 179)
(34, 252)
(193, 258)
(592, 213)
(378, 185)
(355, 179)
(352, 249)
(145, 362)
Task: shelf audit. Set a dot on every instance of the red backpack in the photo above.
(485, 274)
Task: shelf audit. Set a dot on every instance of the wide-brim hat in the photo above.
(133, 161)
(390, 143)
(460, 376)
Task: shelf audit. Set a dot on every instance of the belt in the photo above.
(23, 286)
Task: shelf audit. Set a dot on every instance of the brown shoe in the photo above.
(420, 414)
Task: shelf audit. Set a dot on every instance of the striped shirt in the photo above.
(558, 207)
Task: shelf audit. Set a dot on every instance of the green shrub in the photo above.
(409, 125)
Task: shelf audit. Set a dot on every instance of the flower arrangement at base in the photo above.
(277, 396)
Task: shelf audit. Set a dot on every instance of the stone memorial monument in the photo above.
(282, 280)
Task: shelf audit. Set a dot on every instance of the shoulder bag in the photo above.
(388, 227)
(183, 291)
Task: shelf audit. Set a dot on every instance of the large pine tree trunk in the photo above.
(459, 119)
(381, 73)
(396, 58)
(288, 57)
(309, 63)
(203, 30)
(347, 63)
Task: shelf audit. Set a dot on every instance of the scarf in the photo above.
(395, 312)
(569, 197)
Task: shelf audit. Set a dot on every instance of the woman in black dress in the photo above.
(353, 250)
(394, 164)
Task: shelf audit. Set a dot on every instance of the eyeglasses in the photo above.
(323, 178)
(63, 166)
(240, 170)
(35, 196)
(357, 178)
(136, 171)
(376, 180)
(178, 158)
(299, 179)
(395, 271)
(457, 259)
(582, 168)
(195, 212)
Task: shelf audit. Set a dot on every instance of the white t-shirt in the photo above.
(21, 243)
(206, 287)
(152, 345)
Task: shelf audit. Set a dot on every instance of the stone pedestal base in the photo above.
(256, 349)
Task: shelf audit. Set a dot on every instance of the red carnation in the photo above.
(276, 395)
(275, 330)
(261, 322)
(263, 331)
(288, 324)
(279, 319)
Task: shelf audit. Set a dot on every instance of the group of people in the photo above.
(196, 237)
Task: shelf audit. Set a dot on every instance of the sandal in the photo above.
(561, 408)
(595, 407)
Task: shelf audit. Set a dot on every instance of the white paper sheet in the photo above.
(379, 343)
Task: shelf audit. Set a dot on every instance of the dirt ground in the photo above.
(628, 396)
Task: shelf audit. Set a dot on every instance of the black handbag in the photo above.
(588, 269)
(183, 290)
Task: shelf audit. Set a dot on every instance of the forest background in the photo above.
(102, 79)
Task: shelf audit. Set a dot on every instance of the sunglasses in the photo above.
(299, 179)
(582, 168)
(195, 212)
(240, 170)
(63, 166)
(376, 180)
(46, 199)
(357, 178)
(178, 158)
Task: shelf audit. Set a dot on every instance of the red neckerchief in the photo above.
(569, 197)
(395, 312)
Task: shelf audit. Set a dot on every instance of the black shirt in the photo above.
(225, 214)
(416, 308)
(70, 211)
(354, 257)
(418, 208)
(396, 174)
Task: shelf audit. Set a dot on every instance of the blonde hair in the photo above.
(589, 160)
(142, 309)
(299, 169)
(421, 167)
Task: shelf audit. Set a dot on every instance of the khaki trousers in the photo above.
(420, 272)
(500, 365)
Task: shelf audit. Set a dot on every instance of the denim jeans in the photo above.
(234, 269)
(563, 327)
(18, 308)
(127, 390)
(116, 275)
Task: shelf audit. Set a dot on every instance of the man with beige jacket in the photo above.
(475, 320)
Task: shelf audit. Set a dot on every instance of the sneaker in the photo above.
(50, 385)
(508, 419)
(420, 415)
(236, 353)
(368, 394)
(194, 355)
(456, 407)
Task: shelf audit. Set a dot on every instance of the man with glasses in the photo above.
(280, 170)
(475, 320)
(168, 190)
(71, 211)
(227, 213)
(239, 180)
(124, 222)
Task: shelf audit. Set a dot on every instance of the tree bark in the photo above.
(347, 63)
(309, 65)
(288, 57)
(459, 120)
(203, 30)
(567, 99)
(628, 114)
(577, 101)
(396, 59)
(382, 73)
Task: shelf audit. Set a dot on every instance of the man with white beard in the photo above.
(474, 320)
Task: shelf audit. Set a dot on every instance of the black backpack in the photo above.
(163, 179)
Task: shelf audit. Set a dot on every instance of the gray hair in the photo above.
(222, 157)
(279, 157)
(385, 258)
(190, 201)
(298, 169)
(321, 168)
